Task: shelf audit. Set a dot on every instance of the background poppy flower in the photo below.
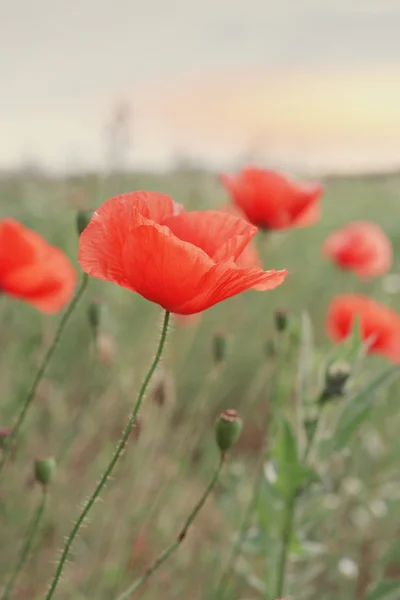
(361, 247)
(272, 201)
(33, 270)
(186, 262)
(379, 324)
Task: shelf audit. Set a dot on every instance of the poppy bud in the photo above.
(336, 378)
(228, 428)
(5, 432)
(44, 470)
(95, 314)
(281, 320)
(83, 218)
(220, 347)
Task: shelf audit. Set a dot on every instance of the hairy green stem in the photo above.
(110, 467)
(30, 535)
(175, 545)
(41, 371)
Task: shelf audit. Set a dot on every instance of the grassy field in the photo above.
(346, 526)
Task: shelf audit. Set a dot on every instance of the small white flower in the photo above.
(352, 486)
(270, 472)
(331, 502)
(348, 568)
(378, 508)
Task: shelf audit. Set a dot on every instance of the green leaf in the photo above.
(355, 341)
(291, 472)
(359, 406)
(388, 589)
(352, 349)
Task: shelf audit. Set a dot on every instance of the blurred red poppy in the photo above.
(272, 201)
(379, 325)
(186, 262)
(361, 247)
(32, 270)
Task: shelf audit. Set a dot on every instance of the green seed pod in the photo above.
(83, 218)
(228, 428)
(281, 320)
(220, 347)
(336, 378)
(44, 470)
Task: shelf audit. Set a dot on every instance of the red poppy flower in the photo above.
(361, 247)
(186, 262)
(272, 201)
(249, 257)
(379, 324)
(33, 270)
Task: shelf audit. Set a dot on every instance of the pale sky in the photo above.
(307, 83)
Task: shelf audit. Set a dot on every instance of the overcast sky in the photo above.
(301, 81)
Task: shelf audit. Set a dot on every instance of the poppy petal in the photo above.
(312, 213)
(221, 235)
(163, 268)
(227, 280)
(379, 324)
(362, 247)
(102, 243)
(33, 270)
(271, 200)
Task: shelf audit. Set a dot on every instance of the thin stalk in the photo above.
(175, 545)
(110, 467)
(257, 485)
(30, 536)
(41, 371)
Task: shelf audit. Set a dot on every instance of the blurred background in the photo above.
(305, 85)
(102, 97)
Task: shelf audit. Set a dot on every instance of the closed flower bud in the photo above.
(220, 347)
(83, 218)
(228, 428)
(44, 470)
(95, 314)
(281, 320)
(335, 380)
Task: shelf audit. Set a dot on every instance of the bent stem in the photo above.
(41, 371)
(31, 533)
(175, 545)
(117, 453)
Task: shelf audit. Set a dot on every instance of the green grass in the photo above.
(82, 406)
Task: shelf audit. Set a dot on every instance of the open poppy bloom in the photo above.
(379, 325)
(186, 262)
(361, 247)
(33, 270)
(272, 201)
